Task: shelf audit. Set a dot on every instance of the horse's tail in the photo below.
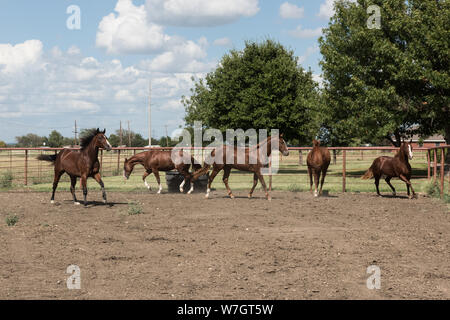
(49, 158)
(368, 174)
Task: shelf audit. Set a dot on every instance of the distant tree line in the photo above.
(57, 140)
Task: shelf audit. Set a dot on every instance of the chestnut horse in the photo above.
(318, 161)
(250, 164)
(159, 160)
(81, 163)
(390, 167)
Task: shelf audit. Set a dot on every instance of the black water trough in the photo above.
(174, 179)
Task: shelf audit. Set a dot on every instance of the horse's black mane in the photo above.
(87, 139)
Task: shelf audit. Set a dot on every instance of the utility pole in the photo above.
(129, 134)
(167, 137)
(76, 133)
(120, 133)
(150, 115)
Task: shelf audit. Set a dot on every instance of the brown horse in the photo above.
(160, 160)
(390, 167)
(318, 161)
(81, 163)
(250, 163)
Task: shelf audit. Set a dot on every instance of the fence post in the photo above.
(270, 172)
(429, 163)
(101, 161)
(118, 160)
(435, 165)
(26, 167)
(442, 172)
(300, 157)
(344, 158)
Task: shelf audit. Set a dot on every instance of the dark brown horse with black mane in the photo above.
(82, 163)
(318, 161)
(161, 160)
(390, 167)
(252, 162)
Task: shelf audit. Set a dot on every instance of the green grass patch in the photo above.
(6, 180)
(11, 220)
(134, 208)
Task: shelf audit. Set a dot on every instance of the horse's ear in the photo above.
(104, 131)
(282, 135)
(98, 130)
(126, 160)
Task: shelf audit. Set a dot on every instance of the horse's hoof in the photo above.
(231, 196)
(52, 201)
(394, 194)
(269, 198)
(249, 195)
(105, 202)
(316, 194)
(76, 203)
(189, 192)
(207, 196)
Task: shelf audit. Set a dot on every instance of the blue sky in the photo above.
(51, 76)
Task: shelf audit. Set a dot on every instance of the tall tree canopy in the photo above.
(260, 87)
(391, 81)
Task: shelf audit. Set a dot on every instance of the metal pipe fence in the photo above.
(347, 164)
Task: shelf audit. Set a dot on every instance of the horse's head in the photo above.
(282, 146)
(127, 168)
(407, 149)
(316, 143)
(101, 141)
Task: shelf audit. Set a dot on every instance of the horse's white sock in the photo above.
(182, 185)
(207, 192)
(146, 184)
(192, 188)
(160, 189)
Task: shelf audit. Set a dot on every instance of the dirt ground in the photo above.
(188, 247)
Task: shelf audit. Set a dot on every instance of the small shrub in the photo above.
(12, 220)
(432, 189)
(134, 208)
(6, 180)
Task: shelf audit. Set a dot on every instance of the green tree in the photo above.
(30, 140)
(260, 87)
(380, 83)
(55, 139)
(2, 144)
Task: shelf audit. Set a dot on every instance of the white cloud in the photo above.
(291, 11)
(129, 31)
(326, 10)
(223, 42)
(16, 57)
(173, 105)
(309, 51)
(301, 33)
(196, 13)
(319, 79)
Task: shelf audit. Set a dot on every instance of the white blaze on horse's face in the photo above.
(410, 153)
(108, 144)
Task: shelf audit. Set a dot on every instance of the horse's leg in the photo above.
(98, 178)
(255, 182)
(324, 173)
(146, 174)
(188, 177)
(263, 183)
(377, 184)
(408, 183)
(83, 182)
(214, 173)
(58, 175)
(73, 182)
(226, 174)
(316, 182)
(388, 181)
(310, 179)
(156, 173)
